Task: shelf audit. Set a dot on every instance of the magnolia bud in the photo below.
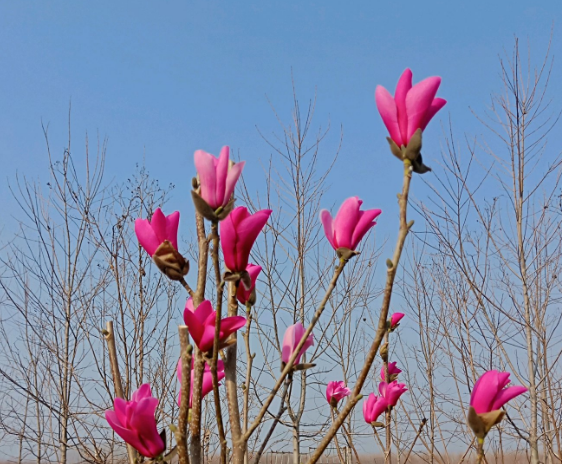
(170, 261)
(383, 351)
(482, 423)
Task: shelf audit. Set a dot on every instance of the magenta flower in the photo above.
(238, 234)
(244, 295)
(392, 391)
(134, 422)
(335, 391)
(217, 177)
(152, 233)
(373, 407)
(392, 371)
(207, 386)
(395, 319)
(411, 108)
(489, 392)
(201, 325)
(350, 225)
(292, 338)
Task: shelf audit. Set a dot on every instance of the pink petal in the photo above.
(194, 326)
(189, 305)
(402, 88)
(158, 223)
(146, 236)
(418, 102)
(507, 394)
(307, 344)
(366, 221)
(326, 219)
(205, 165)
(120, 406)
(242, 294)
(395, 319)
(389, 113)
(248, 231)
(230, 325)
(345, 222)
(436, 105)
(204, 310)
(234, 174)
(229, 235)
(208, 336)
(484, 391)
(289, 345)
(142, 392)
(222, 173)
(172, 223)
(144, 423)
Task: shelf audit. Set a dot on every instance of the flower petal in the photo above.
(234, 174)
(418, 102)
(436, 105)
(506, 395)
(205, 165)
(158, 223)
(345, 222)
(388, 111)
(366, 221)
(402, 88)
(146, 236)
(327, 221)
(172, 223)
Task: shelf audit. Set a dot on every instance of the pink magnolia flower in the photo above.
(152, 233)
(489, 392)
(411, 108)
(238, 234)
(217, 177)
(207, 386)
(392, 370)
(134, 422)
(392, 391)
(395, 319)
(201, 325)
(373, 407)
(350, 225)
(335, 391)
(292, 338)
(244, 295)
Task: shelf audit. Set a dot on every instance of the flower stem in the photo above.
(381, 330)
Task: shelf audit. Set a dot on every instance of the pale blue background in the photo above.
(162, 79)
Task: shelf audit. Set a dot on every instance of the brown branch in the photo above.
(381, 330)
(289, 366)
(181, 431)
(214, 360)
(114, 361)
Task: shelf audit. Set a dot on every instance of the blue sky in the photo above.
(162, 79)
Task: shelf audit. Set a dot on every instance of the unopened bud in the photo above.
(383, 351)
(170, 261)
(482, 423)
